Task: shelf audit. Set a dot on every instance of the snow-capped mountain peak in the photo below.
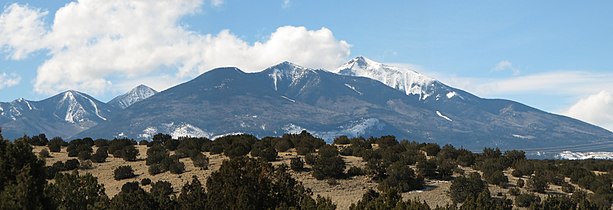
(137, 94)
(404, 79)
(287, 71)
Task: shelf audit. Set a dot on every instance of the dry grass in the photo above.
(346, 192)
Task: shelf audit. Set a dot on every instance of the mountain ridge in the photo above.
(358, 100)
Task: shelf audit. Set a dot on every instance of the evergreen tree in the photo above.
(22, 177)
(193, 195)
(132, 196)
(72, 191)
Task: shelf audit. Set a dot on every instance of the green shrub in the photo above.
(123, 172)
(525, 200)
(296, 164)
(145, 181)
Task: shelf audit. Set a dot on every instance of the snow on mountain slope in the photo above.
(176, 130)
(288, 72)
(568, 155)
(406, 80)
(76, 107)
(137, 94)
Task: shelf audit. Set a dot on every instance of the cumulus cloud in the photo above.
(506, 65)
(596, 109)
(21, 30)
(286, 3)
(9, 80)
(95, 46)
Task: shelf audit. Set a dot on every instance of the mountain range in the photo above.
(360, 98)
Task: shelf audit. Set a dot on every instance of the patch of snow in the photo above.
(189, 130)
(406, 80)
(137, 94)
(96, 109)
(523, 137)
(289, 99)
(443, 116)
(275, 75)
(451, 94)
(225, 134)
(354, 129)
(353, 88)
(568, 155)
(148, 133)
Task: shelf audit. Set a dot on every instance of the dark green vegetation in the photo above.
(243, 182)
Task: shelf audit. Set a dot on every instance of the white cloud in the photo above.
(9, 80)
(596, 109)
(506, 65)
(95, 46)
(21, 29)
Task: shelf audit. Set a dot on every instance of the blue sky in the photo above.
(553, 55)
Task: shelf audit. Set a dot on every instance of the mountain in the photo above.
(137, 94)
(289, 98)
(64, 115)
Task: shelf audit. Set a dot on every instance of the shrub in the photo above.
(342, 140)
(568, 188)
(44, 153)
(537, 183)
(296, 164)
(265, 150)
(71, 164)
(525, 200)
(100, 155)
(123, 172)
(55, 145)
(176, 166)
(282, 145)
(514, 191)
(101, 143)
(87, 164)
(328, 164)
(129, 153)
(427, 168)
(310, 159)
(464, 187)
(155, 154)
(143, 142)
(156, 169)
(200, 161)
(84, 155)
(520, 183)
(431, 149)
(145, 181)
(497, 178)
(402, 178)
